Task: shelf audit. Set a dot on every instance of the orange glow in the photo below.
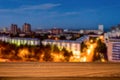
(101, 37)
(83, 59)
(23, 53)
(56, 38)
(103, 60)
(57, 57)
(76, 54)
(91, 41)
(88, 52)
(38, 54)
(91, 46)
(87, 55)
(73, 59)
(4, 60)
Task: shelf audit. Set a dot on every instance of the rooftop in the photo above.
(20, 38)
(80, 40)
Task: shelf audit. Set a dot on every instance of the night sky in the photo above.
(72, 14)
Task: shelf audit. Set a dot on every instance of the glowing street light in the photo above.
(91, 41)
(88, 52)
(91, 47)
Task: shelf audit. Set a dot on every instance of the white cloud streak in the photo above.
(41, 7)
(56, 14)
(45, 6)
(70, 13)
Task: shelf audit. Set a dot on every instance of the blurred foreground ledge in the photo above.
(48, 69)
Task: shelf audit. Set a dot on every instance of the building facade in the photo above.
(74, 46)
(14, 29)
(113, 51)
(56, 30)
(112, 40)
(20, 41)
(26, 28)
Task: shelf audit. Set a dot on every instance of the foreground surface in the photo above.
(61, 78)
(64, 71)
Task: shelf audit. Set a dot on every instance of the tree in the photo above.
(62, 38)
(66, 54)
(83, 45)
(100, 50)
(55, 49)
(47, 53)
(47, 56)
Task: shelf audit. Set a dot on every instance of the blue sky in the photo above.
(73, 14)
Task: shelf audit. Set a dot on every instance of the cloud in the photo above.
(45, 6)
(63, 14)
(70, 13)
(41, 7)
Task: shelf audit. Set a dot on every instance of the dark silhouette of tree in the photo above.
(62, 38)
(47, 56)
(66, 54)
(101, 49)
(34, 53)
(55, 49)
(83, 45)
(47, 53)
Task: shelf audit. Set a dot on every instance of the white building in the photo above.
(20, 41)
(112, 40)
(113, 51)
(74, 46)
(101, 27)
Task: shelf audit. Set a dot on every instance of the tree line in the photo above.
(48, 53)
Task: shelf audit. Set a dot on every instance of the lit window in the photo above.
(32, 42)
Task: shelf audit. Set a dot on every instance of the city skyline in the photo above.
(82, 14)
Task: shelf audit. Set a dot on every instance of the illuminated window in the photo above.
(45, 43)
(18, 42)
(9, 40)
(13, 41)
(36, 42)
(32, 42)
(25, 42)
(29, 42)
(21, 41)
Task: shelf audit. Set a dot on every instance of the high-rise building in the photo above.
(26, 28)
(13, 28)
(101, 27)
